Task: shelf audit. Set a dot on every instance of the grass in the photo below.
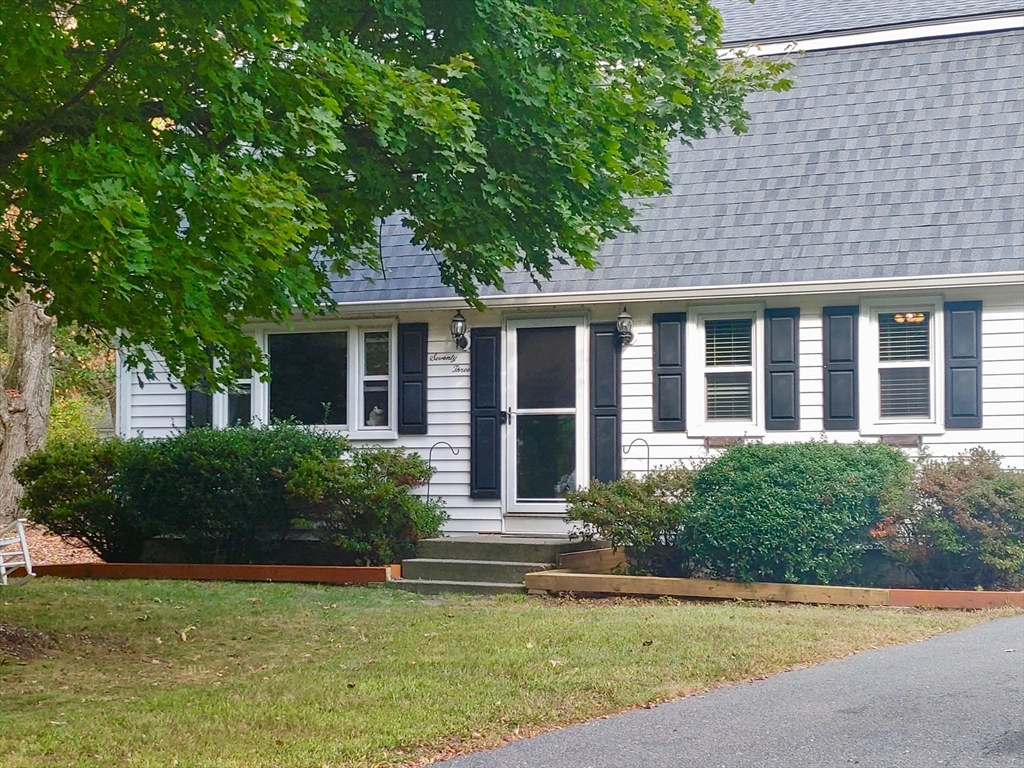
(161, 673)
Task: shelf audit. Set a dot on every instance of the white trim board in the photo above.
(903, 33)
(694, 293)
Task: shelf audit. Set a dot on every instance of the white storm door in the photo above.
(547, 397)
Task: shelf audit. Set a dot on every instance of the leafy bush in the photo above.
(647, 516)
(221, 492)
(363, 503)
(965, 528)
(797, 513)
(71, 418)
(72, 489)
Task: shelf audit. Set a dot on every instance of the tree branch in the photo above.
(23, 134)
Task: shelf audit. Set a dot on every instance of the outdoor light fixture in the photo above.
(624, 325)
(459, 331)
(909, 317)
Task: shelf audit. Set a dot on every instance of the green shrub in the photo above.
(71, 418)
(965, 528)
(363, 503)
(798, 513)
(72, 489)
(648, 517)
(221, 492)
(231, 495)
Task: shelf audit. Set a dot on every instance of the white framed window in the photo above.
(724, 356)
(900, 367)
(340, 377)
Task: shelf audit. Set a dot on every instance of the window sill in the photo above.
(902, 428)
(730, 431)
(383, 434)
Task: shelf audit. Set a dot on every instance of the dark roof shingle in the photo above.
(895, 160)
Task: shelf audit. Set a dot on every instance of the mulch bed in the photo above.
(46, 549)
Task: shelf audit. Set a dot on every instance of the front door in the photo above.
(546, 436)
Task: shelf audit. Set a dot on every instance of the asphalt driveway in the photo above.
(955, 701)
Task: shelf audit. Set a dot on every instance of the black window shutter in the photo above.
(198, 409)
(782, 371)
(670, 372)
(605, 399)
(963, 364)
(412, 379)
(485, 413)
(842, 410)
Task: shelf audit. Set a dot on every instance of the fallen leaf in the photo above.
(184, 633)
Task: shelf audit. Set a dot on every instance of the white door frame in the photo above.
(556, 508)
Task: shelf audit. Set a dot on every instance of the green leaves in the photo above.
(169, 169)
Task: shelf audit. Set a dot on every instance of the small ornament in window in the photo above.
(909, 317)
(376, 417)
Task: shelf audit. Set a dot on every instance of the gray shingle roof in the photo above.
(787, 19)
(884, 161)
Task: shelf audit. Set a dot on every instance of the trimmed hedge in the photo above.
(72, 488)
(221, 491)
(229, 496)
(798, 513)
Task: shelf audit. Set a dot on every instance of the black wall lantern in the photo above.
(459, 331)
(624, 325)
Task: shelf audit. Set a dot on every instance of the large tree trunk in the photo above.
(27, 390)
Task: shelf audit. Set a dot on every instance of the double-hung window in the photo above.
(723, 357)
(729, 369)
(904, 365)
(901, 383)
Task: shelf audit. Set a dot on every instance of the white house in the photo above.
(852, 268)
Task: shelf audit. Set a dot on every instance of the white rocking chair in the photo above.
(12, 559)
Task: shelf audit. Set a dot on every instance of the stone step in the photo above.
(462, 587)
(489, 571)
(506, 548)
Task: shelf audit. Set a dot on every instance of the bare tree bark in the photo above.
(26, 394)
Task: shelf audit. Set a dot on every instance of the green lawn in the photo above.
(159, 673)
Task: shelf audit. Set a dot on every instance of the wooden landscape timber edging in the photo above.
(592, 583)
(604, 560)
(312, 574)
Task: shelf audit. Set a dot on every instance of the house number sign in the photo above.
(460, 363)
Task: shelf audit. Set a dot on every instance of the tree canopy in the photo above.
(171, 168)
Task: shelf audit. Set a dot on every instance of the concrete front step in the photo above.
(499, 547)
(487, 571)
(463, 587)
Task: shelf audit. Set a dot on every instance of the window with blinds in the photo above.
(905, 364)
(729, 357)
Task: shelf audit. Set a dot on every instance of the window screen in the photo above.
(729, 396)
(309, 377)
(905, 392)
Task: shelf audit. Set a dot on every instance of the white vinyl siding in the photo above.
(1002, 386)
(157, 408)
